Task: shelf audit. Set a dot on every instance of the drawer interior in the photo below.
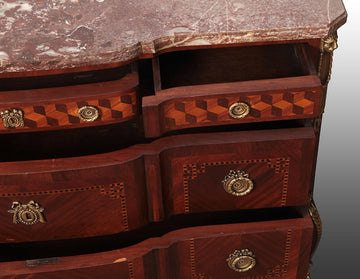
(64, 79)
(205, 66)
(68, 142)
(102, 139)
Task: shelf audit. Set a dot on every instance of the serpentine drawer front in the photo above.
(239, 170)
(269, 249)
(59, 199)
(69, 106)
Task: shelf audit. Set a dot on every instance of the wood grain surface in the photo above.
(279, 164)
(197, 252)
(99, 194)
(77, 203)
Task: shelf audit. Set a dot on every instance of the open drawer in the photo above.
(229, 86)
(263, 249)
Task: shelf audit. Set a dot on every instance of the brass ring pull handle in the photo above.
(239, 110)
(241, 260)
(27, 214)
(88, 113)
(12, 118)
(238, 183)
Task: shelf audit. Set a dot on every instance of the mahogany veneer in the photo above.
(97, 195)
(198, 252)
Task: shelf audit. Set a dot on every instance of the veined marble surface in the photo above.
(59, 34)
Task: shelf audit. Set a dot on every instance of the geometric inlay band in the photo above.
(212, 109)
(111, 108)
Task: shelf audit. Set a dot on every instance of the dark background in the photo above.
(337, 184)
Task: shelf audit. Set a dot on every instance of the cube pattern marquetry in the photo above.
(210, 110)
(51, 115)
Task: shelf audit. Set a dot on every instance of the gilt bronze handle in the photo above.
(12, 118)
(88, 113)
(241, 260)
(238, 183)
(239, 110)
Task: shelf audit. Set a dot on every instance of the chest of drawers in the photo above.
(179, 146)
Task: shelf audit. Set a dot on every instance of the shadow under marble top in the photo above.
(37, 35)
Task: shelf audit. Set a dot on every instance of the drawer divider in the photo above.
(154, 187)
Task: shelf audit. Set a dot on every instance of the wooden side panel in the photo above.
(76, 203)
(55, 108)
(208, 105)
(198, 252)
(279, 166)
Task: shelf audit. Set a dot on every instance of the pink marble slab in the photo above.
(38, 35)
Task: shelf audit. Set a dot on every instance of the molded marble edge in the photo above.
(82, 33)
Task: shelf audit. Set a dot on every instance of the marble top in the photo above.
(40, 35)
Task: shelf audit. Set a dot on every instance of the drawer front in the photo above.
(255, 253)
(123, 190)
(270, 249)
(233, 103)
(241, 170)
(72, 203)
(69, 107)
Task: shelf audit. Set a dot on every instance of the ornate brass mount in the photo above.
(239, 110)
(88, 113)
(241, 260)
(327, 47)
(330, 43)
(316, 123)
(238, 183)
(12, 118)
(27, 214)
(315, 216)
